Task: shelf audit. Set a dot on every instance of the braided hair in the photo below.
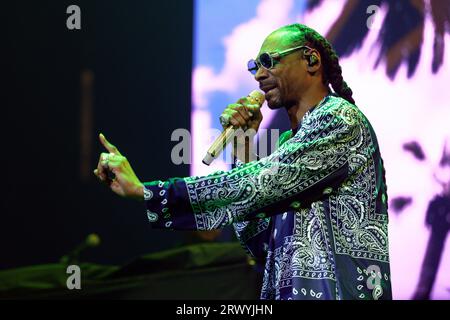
(332, 75)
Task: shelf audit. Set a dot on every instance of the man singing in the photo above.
(316, 208)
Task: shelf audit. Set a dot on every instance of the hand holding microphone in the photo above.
(114, 169)
(245, 114)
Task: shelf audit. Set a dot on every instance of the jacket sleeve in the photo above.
(312, 162)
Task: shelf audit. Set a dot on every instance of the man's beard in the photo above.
(274, 100)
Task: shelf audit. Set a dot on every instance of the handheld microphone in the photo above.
(255, 97)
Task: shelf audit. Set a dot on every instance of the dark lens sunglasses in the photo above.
(267, 59)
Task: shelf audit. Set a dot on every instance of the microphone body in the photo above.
(255, 97)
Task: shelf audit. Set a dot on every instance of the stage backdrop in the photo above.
(393, 57)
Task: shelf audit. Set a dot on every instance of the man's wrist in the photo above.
(139, 192)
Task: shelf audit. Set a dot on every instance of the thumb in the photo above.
(254, 109)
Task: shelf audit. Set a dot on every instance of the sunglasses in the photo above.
(268, 60)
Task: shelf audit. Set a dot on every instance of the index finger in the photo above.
(108, 146)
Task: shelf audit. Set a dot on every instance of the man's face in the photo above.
(283, 83)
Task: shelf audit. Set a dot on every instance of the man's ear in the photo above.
(313, 61)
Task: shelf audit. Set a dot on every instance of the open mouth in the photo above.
(266, 89)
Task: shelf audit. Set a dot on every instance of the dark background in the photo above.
(140, 56)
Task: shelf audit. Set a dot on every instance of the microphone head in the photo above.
(256, 97)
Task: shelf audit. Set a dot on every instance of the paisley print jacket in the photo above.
(315, 210)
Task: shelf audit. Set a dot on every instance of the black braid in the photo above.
(332, 74)
(332, 70)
